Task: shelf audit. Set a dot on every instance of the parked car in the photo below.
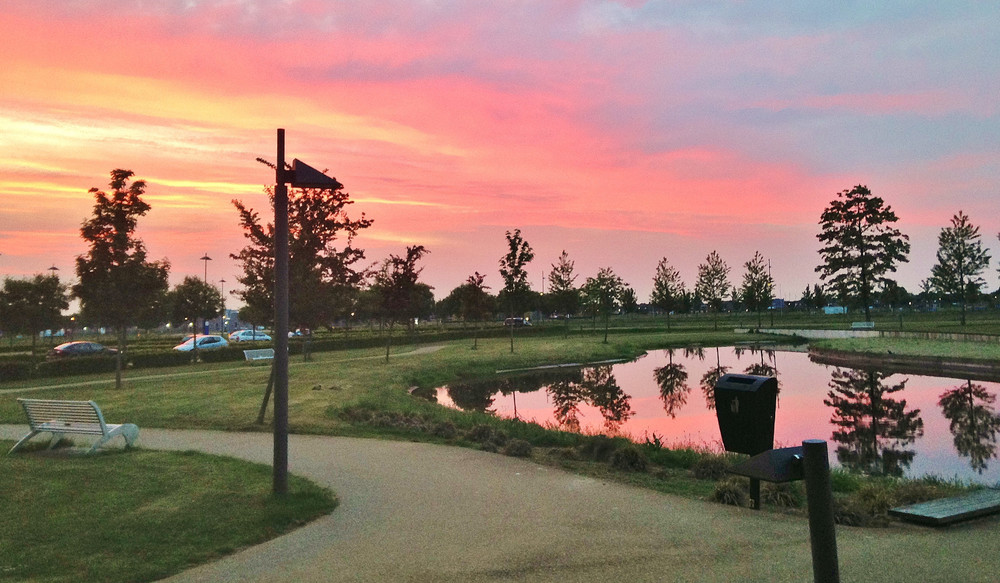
(79, 348)
(248, 335)
(516, 322)
(209, 342)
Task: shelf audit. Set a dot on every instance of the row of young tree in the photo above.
(330, 281)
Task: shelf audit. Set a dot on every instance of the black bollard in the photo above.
(819, 495)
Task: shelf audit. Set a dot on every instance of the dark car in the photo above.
(517, 322)
(80, 348)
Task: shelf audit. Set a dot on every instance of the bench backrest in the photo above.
(74, 416)
(258, 353)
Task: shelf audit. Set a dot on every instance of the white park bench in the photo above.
(862, 325)
(258, 354)
(71, 417)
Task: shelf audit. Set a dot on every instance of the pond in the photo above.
(892, 424)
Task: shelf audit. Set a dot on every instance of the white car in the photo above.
(208, 342)
(248, 335)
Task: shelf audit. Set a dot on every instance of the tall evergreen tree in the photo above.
(860, 245)
(961, 260)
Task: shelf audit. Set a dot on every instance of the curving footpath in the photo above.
(418, 512)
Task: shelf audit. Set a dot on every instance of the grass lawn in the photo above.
(228, 395)
(137, 515)
(934, 348)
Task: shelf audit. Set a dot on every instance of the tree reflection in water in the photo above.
(762, 368)
(711, 378)
(873, 426)
(973, 422)
(672, 380)
(602, 391)
(567, 394)
(595, 386)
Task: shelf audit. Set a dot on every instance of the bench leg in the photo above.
(127, 430)
(23, 441)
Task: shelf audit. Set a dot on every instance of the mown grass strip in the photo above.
(136, 515)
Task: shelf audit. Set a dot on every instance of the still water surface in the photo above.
(888, 424)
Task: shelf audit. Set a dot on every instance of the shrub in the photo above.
(784, 495)
(491, 439)
(710, 467)
(445, 429)
(849, 513)
(598, 448)
(732, 491)
(875, 499)
(629, 459)
(518, 448)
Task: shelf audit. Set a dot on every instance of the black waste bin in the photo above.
(745, 406)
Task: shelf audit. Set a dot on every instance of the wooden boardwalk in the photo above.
(951, 510)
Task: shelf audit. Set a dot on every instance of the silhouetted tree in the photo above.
(758, 286)
(193, 299)
(859, 244)
(398, 290)
(712, 285)
(515, 277)
(28, 306)
(323, 280)
(961, 260)
(564, 297)
(668, 289)
(116, 284)
(602, 294)
(475, 302)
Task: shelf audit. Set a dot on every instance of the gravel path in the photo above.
(419, 512)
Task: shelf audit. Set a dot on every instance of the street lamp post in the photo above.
(222, 283)
(300, 176)
(206, 259)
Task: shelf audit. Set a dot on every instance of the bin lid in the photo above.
(745, 382)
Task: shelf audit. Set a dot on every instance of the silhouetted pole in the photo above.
(280, 321)
(819, 495)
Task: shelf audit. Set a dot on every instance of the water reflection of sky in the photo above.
(802, 413)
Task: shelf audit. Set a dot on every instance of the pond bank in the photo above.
(936, 366)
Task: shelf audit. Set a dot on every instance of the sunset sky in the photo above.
(622, 132)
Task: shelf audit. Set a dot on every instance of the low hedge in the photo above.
(75, 366)
(16, 370)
